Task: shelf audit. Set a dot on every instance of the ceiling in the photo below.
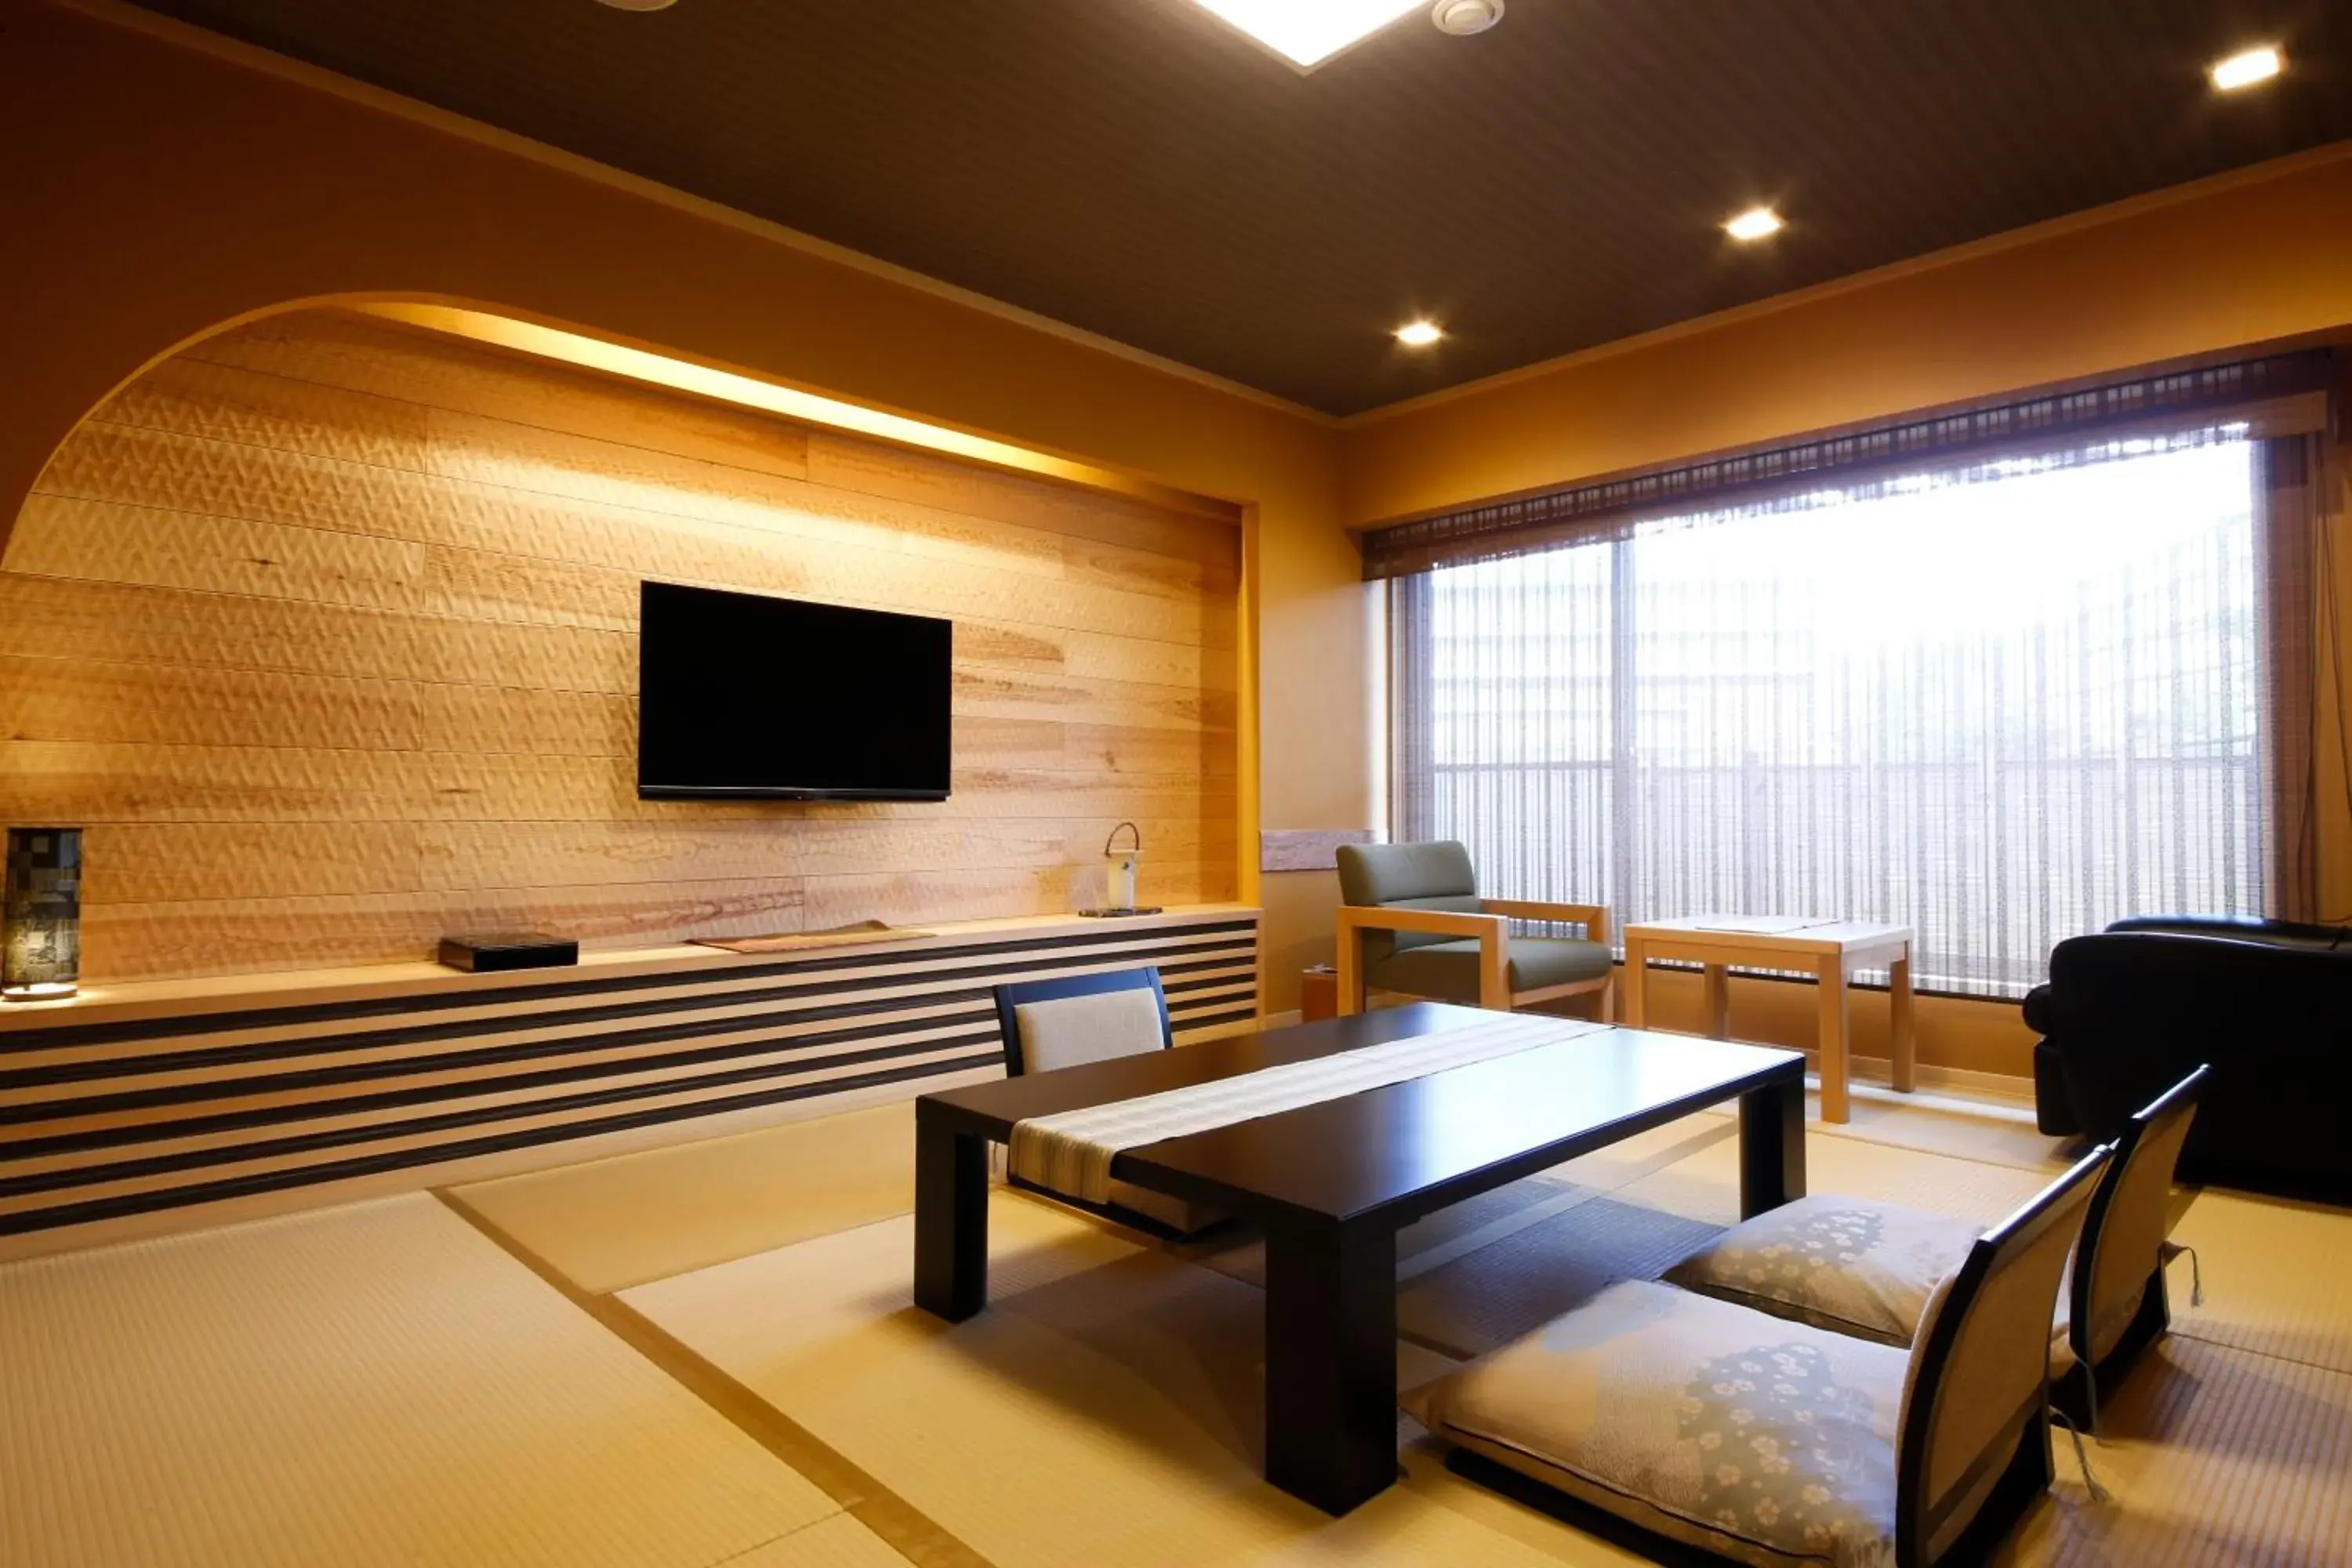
(1136, 168)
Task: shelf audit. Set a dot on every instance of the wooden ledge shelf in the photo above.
(155, 999)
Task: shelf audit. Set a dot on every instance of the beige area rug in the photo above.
(1104, 1411)
(1493, 1217)
(1475, 1276)
(1129, 1380)
(376, 1384)
(1106, 1408)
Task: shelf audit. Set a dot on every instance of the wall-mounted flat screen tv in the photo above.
(743, 696)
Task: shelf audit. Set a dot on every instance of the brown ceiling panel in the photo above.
(1135, 168)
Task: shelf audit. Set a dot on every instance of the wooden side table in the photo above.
(1318, 994)
(1832, 950)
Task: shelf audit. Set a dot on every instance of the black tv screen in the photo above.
(744, 695)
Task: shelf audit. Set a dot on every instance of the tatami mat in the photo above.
(2278, 1278)
(381, 1384)
(1128, 1381)
(1999, 1135)
(370, 1385)
(619, 1222)
(2217, 1458)
(1706, 1185)
(839, 1542)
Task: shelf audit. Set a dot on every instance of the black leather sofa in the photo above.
(2129, 1012)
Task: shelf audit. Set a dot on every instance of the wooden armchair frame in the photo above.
(1491, 926)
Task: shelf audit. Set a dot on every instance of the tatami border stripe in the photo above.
(906, 1529)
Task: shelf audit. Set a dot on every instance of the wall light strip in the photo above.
(814, 408)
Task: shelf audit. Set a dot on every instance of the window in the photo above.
(2001, 704)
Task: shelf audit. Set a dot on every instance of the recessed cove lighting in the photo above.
(1754, 224)
(2247, 68)
(1309, 32)
(1419, 334)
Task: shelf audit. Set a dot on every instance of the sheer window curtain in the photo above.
(2003, 703)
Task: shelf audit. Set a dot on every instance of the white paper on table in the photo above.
(1762, 925)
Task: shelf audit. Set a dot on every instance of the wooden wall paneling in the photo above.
(161, 436)
(326, 629)
(845, 462)
(354, 352)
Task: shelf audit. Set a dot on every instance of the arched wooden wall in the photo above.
(324, 629)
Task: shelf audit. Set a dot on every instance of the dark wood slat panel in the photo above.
(169, 1112)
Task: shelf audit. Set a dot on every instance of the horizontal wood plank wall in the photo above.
(325, 629)
(110, 1113)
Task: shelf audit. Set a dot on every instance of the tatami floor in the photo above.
(706, 1354)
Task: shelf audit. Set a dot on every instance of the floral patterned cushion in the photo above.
(1765, 1441)
(1843, 1264)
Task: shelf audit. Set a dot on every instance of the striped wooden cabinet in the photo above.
(172, 1104)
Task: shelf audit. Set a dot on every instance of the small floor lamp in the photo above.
(40, 921)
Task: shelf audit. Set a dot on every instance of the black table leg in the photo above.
(1771, 1146)
(951, 1219)
(1330, 1362)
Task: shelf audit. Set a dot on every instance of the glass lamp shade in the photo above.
(1120, 866)
(1122, 879)
(40, 921)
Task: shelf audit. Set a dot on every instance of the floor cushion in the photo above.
(1847, 1265)
(1763, 1440)
(1843, 1264)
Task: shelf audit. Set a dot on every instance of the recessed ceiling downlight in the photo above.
(1419, 334)
(638, 5)
(2246, 68)
(1463, 17)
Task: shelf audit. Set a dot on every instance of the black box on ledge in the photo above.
(508, 950)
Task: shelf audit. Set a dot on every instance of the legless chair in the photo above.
(1771, 1442)
(1411, 920)
(1079, 1018)
(1855, 1266)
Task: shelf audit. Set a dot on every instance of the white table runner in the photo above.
(1071, 1150)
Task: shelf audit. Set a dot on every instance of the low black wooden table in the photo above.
(1332, 1184)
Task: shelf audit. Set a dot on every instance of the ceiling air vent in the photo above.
(1463, 17)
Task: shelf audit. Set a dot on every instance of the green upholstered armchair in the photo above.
(1411, 920)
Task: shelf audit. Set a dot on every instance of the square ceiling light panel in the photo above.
(1309, 32)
